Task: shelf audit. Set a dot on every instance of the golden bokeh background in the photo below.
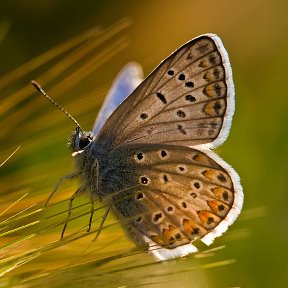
(75, 50)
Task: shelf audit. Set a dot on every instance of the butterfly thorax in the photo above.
(86, 157)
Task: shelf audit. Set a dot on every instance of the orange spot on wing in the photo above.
(199, 158)
(191, 228)
(166, 234)
(157, 239)
(203, 63)
(223, 194)
(173, 237)
(218, 207)
(209, 91)
(170, 232)
(188, 226)
(208, 76)
(209, 174)
(218, 191)
(208, 219)
(209, 109)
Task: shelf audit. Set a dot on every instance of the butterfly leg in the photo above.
(102, 222)
(69, 176)
(70, 209)
(91, 215)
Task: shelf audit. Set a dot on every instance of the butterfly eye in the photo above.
(79, 140)
(84, 141)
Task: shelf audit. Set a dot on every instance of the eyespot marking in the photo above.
(202, 64)
(139, 196)
(189, 84)
(165, 178)
(144, 180)
(190, 98)
(180, 113)
(215, 90)
(216, 72)
(161, 97)
(171, 240)
(213, 108)
(217, 106)
(139, 219)
(178, 236)
(225, 195)
(221, 207)
(170, 209)
(157, 217)
(210, 220)
(163, 154)
(196, 185)
(139, 156)
(180, 128)
(143, 116)
(199, 158)
(181, 168)
(189, 227)
(221, 178)
(170, 72)
(193, 194)
(217, 207)
(207, 77)
(195, 231)
(184, 205)
(181, 77)
(212, 59)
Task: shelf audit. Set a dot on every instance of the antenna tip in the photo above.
(36, 85)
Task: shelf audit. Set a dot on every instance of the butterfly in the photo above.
(149, 158)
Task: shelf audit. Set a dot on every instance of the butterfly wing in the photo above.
(168, 196)
(127, 80)
(187, 100)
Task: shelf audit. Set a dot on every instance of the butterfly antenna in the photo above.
(40, 89)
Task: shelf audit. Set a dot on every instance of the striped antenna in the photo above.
(39, 88)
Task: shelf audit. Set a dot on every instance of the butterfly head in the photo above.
(79, 140)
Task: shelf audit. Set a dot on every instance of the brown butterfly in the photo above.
(151, 162)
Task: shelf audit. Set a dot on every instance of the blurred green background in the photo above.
(255, 36)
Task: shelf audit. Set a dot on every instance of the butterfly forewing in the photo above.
(183, 101)
(170, 194)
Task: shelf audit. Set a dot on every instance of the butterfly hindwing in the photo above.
(170, 195)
